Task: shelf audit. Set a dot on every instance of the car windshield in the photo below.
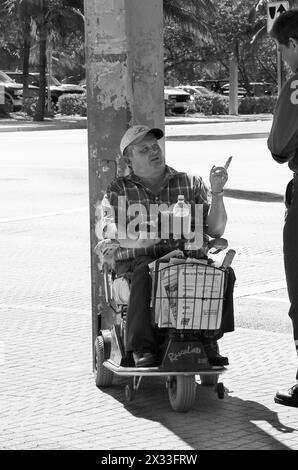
(202, 90)
(5, 78)
(34, 80)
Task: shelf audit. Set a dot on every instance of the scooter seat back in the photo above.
(120, 290)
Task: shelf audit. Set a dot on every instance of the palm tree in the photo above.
(19, 8)
(191, 15)
(53, 15)
(39, 18)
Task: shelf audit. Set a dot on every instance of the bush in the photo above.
(70, 104)
(218, 104)
(29, 107)
(212, 104)
(257, 104)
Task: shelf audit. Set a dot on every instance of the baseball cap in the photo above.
(135, 132)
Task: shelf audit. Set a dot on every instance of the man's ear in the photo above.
(127, 161)
(293, 43)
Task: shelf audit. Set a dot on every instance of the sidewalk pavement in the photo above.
(48, 398)
(78, 122)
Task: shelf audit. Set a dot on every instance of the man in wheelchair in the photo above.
(150, 184)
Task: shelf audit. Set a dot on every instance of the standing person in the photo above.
(283, 144)
(152, 182)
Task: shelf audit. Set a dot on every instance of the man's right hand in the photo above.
(147, 242)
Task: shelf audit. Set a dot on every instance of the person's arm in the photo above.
(214, 212)
(217, 217)
(283, 138)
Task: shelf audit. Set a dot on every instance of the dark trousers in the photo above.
(140, 333)
(290, 248)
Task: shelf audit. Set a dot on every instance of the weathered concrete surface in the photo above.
(124, 86)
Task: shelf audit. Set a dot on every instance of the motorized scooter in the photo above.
(181, 316)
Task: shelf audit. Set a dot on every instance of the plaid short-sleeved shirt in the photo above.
(133, 192)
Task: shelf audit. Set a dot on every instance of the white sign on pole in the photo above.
(2, 94)
(275, 9)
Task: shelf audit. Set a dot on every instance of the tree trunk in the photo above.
(40, 108)
(26, 55)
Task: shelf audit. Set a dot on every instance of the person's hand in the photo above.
(147, 229)
(218, 178)
(147, 242)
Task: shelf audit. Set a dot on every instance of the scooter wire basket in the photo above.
(187, 295)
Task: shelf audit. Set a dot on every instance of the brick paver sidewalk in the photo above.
(48, 399)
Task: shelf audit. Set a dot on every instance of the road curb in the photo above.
(14, 125)
(181, 138)
(199, 137)
(27, 127)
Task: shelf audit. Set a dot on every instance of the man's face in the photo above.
(147, 157)
(289, 53)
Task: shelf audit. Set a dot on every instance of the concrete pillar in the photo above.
(124, 65)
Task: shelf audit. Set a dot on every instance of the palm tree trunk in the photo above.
(26, 56)
(40, 108)
(25, 22)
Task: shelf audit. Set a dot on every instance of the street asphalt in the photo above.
(48, 399)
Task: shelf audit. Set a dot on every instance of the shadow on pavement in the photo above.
(262, 196)
(213, 424)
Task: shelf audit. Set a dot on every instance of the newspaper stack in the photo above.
(188, 295)
(200, 298)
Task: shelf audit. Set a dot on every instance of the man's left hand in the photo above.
(218, 178)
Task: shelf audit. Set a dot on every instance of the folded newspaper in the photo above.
(188, 294)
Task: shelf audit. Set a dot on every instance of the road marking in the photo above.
(269, 299)
(259, 289)
(45, 214)
(38, 307)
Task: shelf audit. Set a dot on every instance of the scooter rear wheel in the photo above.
(103, 376)
(182, 392)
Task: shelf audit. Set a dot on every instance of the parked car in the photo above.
(176, 100)
(73, 79)
(195, 90)
(57, 89)
(225, 90)
(13, 93)
(262, 88)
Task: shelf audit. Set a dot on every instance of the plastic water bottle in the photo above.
(106, 219)
(181, 218)
(228, 259)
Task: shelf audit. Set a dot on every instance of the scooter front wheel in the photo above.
(182, 392)
(103, 377)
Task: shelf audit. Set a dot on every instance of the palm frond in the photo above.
(190, 15)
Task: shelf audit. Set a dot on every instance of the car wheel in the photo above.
(8, 106)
